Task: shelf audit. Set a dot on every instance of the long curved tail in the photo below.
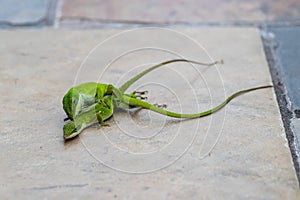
(143, 104)
(126, 85)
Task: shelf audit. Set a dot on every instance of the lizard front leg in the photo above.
(100, 119)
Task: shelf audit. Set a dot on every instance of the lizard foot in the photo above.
(161, 105)
(140, 94)
(105, 124)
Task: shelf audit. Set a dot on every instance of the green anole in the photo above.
(90, 103)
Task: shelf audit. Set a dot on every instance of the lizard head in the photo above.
(70, 130)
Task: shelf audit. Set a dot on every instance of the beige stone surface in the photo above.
(240, 152)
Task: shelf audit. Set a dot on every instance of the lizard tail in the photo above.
(136, 102)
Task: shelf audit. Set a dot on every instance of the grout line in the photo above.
(52, 12)
(55, 20)
(85, 23)
(58, 15)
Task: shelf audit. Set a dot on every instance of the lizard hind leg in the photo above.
(140, 95)
(135, 95)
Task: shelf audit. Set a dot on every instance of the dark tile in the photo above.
(24, 12)
(288, 55)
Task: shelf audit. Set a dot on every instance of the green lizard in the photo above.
(90, 103)
(80, 97)
(86, 94)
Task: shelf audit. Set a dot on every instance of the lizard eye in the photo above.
(75, 101)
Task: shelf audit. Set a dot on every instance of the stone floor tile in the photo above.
(238, 153)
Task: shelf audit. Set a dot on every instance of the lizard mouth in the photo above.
(70, 130)
(74, 134)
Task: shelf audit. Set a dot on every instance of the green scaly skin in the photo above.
(91, 103)
(79, 98)
(86, 94)
(126, 85)
(145, 105)
(82, 96)
(96, 113)
(89, 118)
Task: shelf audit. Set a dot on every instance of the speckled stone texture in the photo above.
(240, 152)
(182, 11)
